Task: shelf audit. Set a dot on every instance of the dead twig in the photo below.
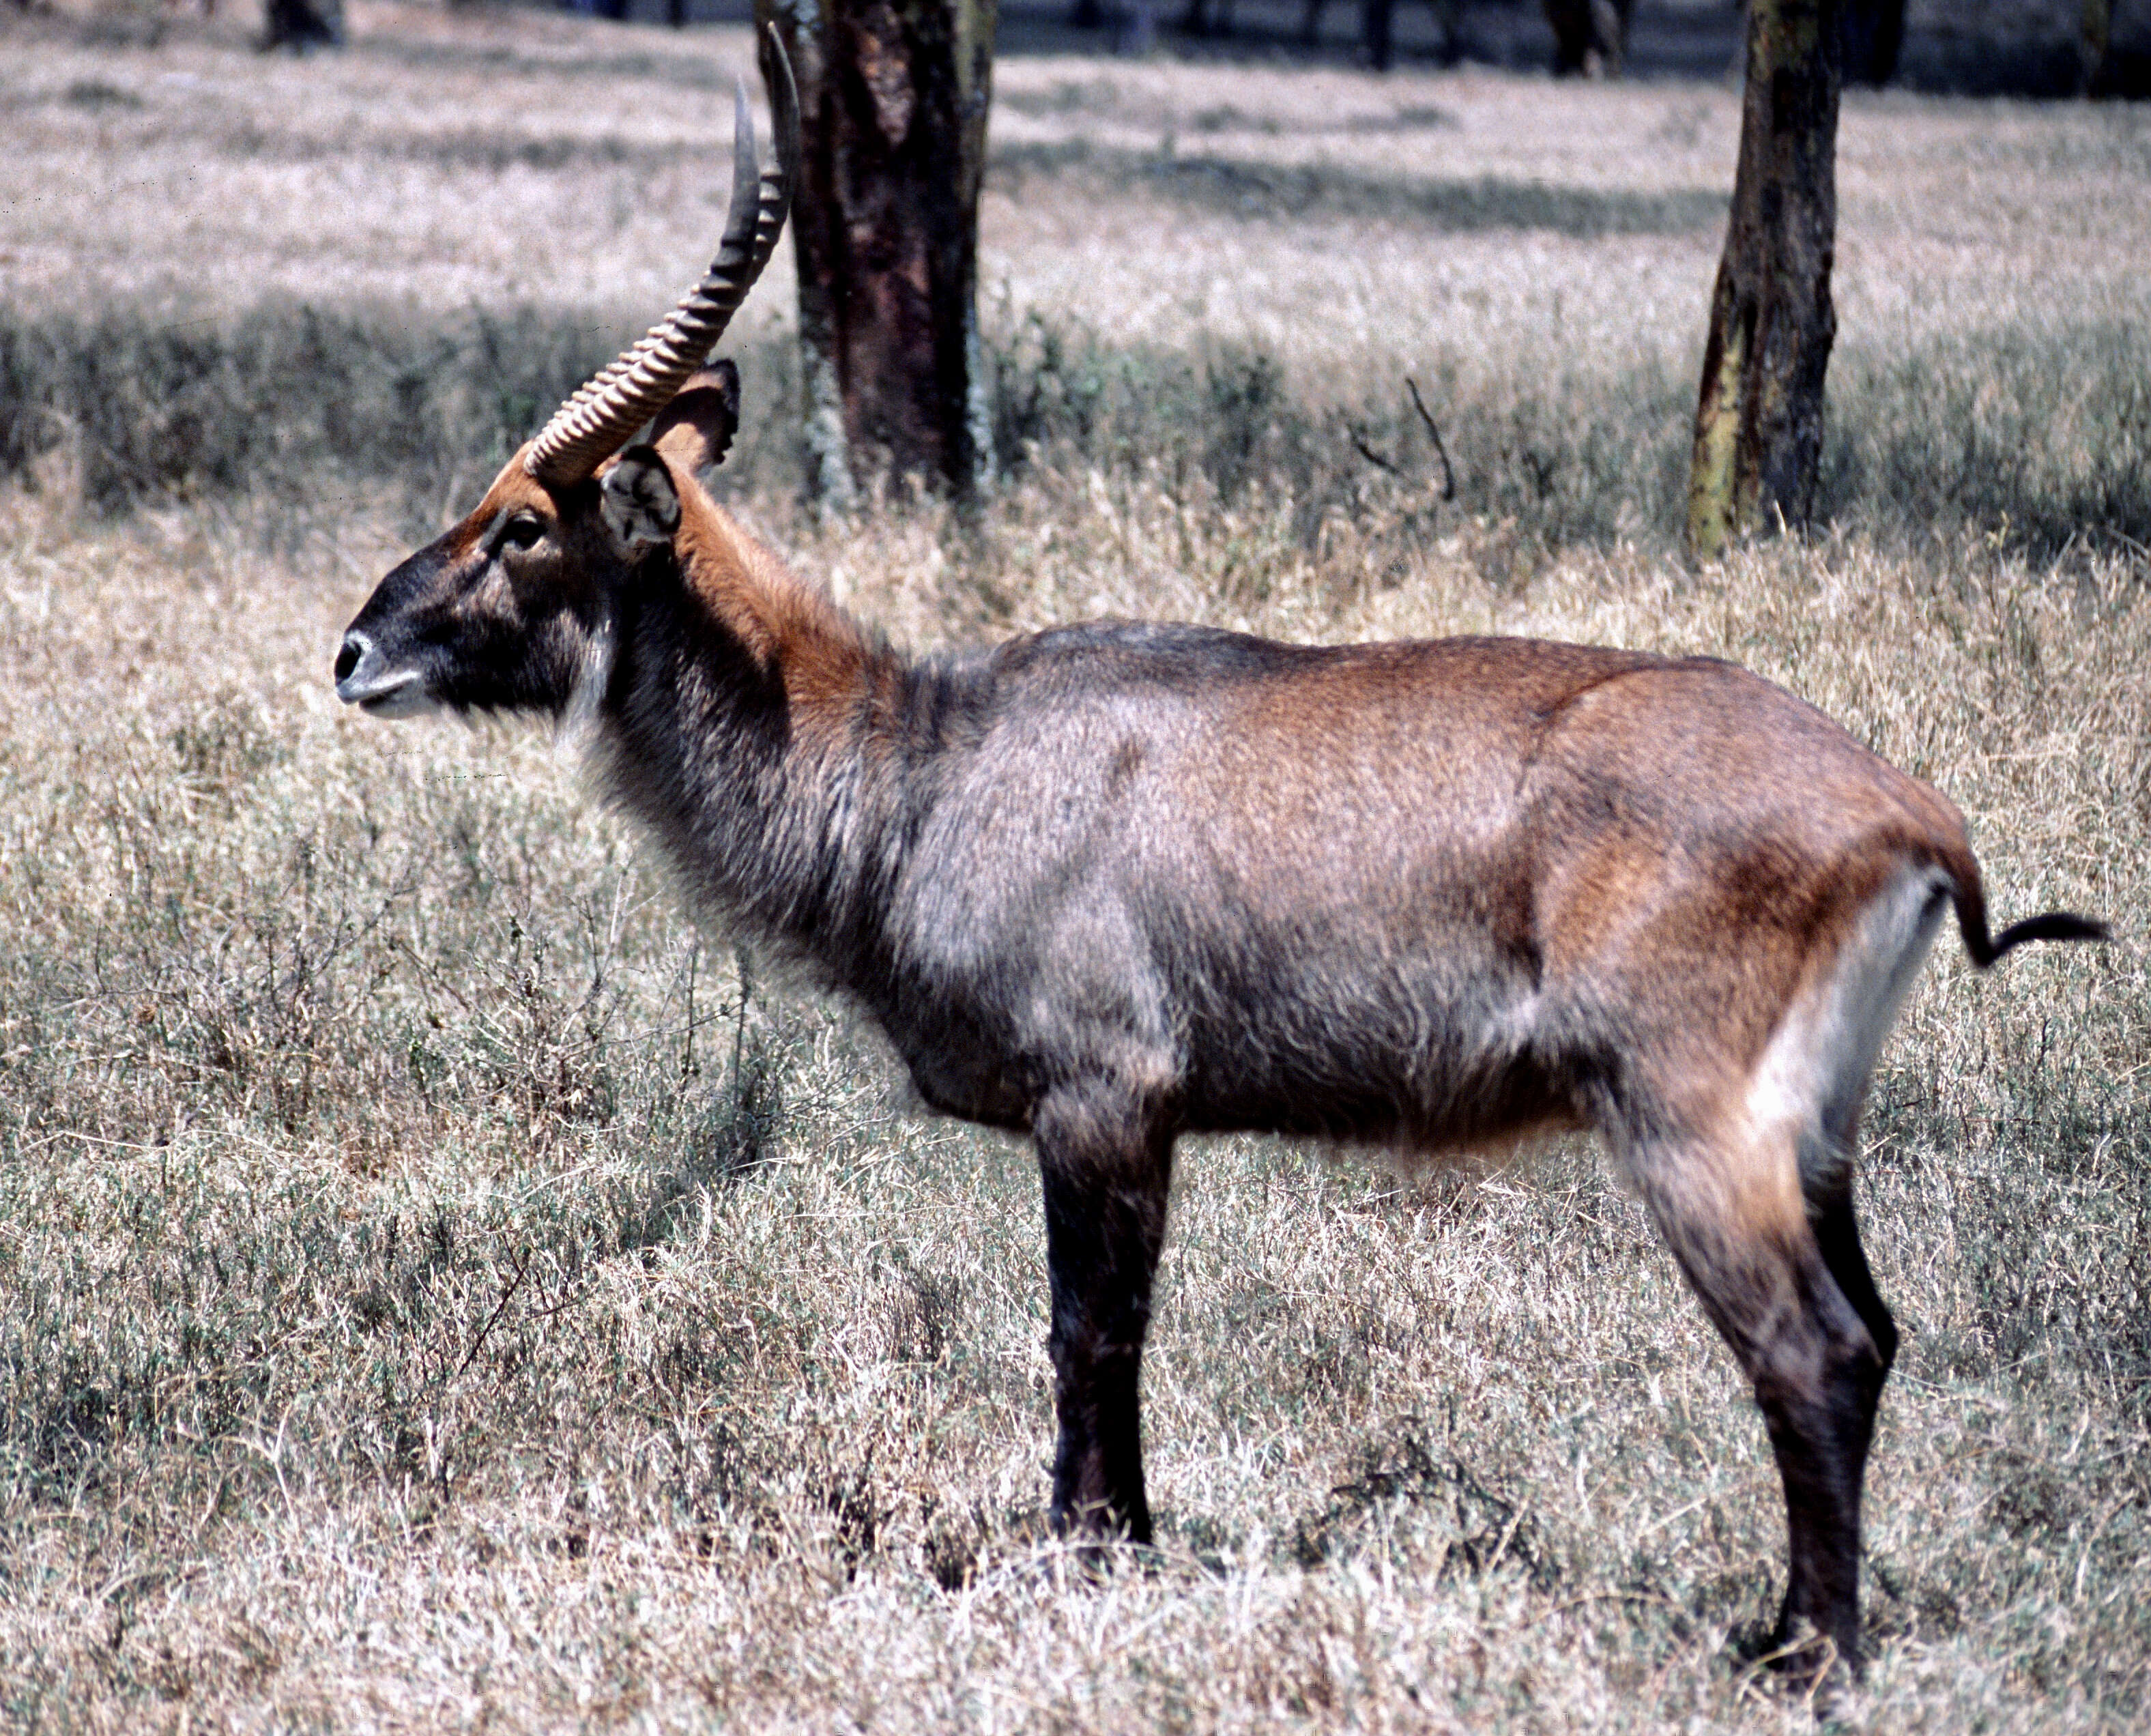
(508, 1290)
(1441, 452)
(1368, 452)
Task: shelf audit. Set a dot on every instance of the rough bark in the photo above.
(893, 99)
(1760, 416)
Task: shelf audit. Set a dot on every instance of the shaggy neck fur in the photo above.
(764, 736)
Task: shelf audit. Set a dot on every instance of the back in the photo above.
(1307, 888)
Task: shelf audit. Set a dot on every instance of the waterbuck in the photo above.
(1109, 885)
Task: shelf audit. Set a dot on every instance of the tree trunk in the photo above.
(1758, 419)
(893, 101)
(1570, 20)
(1590, 37)
(302, 25)
(1873, 36)
(1375, 27)
(2094, 33)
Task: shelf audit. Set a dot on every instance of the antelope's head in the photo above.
(511, 610)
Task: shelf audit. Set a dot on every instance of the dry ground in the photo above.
(435, 1290)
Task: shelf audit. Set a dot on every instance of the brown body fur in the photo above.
(1113, 883)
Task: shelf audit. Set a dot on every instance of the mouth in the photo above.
(400, 695)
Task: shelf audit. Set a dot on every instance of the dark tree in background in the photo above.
(299, 25)
(2094, 37)
(1758, 419)
(893, 101)
(1874, 36)
(1589, 36)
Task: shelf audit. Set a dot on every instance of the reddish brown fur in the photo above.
(789, 628)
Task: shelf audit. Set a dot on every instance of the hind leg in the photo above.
(1826, 1180)
(1837, 1236)
(1735, 1215)
(1837, 1239)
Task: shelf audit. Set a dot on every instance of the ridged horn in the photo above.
(605, 413)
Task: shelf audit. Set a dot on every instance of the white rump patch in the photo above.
(1813, 1075)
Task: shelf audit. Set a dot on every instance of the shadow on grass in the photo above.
(1241, 189)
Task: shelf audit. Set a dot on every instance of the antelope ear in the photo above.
(637, 498)
(695, 431)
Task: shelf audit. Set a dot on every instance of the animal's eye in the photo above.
(523, 532)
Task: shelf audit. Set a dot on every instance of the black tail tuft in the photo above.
(2054, 925)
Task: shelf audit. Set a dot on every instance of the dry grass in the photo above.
(439, 1291)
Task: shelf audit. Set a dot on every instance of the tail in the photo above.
(1969, 898)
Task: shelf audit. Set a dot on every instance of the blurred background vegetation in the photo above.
(2046, 432)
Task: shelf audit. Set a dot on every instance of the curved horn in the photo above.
(599, 419)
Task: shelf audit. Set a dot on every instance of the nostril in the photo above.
(348, 660)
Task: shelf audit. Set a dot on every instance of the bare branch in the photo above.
(1448, 470)
(1368, 452)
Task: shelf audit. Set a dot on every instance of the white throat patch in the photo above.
(578, 723)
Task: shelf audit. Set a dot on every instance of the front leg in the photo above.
(1107, 1164)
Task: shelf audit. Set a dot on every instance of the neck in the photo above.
(756, 729)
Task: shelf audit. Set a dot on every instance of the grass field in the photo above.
(439, 1289)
